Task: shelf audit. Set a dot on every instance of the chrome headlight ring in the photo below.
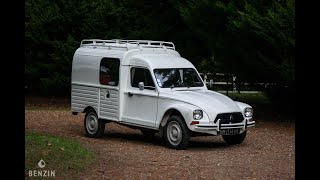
(248, 112)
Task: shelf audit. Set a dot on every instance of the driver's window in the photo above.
(141, 75)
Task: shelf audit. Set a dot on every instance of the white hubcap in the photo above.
(174, 133)
(92, 123)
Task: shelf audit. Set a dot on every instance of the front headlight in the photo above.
(248, 112)
(197, 114)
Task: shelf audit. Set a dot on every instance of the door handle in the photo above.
(108, 94)
(130, 94)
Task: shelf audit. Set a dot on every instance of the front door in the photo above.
(141, 105)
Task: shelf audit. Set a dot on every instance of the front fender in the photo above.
(242, 106)
(185, 109)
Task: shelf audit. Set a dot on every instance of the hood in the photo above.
(211, 102)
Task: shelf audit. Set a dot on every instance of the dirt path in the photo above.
(123, 153)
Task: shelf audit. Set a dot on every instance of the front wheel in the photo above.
(234, 139)
(93, 126)
(176, 133)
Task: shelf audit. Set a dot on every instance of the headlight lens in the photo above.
(248, 112)
(197, 114)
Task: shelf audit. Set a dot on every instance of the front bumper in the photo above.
(216, 128)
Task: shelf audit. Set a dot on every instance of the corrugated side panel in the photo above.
(109, 107)
(84, 96)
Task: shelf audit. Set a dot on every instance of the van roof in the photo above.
(127, 44)
(155, 54)
(159, 61)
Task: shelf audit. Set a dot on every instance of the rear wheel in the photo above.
(93, 126)
(176, 133)
(234, 139)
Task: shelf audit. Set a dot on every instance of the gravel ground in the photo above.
(268, 152)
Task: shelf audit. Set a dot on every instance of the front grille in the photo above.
(226, 118)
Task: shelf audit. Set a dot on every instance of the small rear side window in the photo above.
(109, 71)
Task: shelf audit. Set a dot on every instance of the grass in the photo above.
(255, 98)
(65, 156)
(263, 107)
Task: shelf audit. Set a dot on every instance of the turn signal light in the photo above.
(194, 122)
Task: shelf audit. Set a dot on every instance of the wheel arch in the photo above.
(88, 108)
(182, 109)
(168, 113)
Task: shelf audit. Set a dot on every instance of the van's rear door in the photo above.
(109, 90)
(109, 104)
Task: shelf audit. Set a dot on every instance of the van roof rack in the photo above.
(122, 43)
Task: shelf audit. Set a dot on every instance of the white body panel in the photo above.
(141, 108)
(83, 96)
(146, 108)
(109, 104)
(186, 100)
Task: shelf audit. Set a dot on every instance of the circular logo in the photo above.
(41, 164)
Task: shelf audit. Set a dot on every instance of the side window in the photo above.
(141, 75)
(109, 71)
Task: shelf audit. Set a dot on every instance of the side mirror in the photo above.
(141, 85)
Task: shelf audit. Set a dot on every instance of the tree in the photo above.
(255, 40)
(273, 34)
(54, 30)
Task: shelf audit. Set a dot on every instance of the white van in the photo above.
(147, 85)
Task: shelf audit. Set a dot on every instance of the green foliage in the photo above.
(273, 34)
(250, 98)
(54, 30)
(210, 65)
(253, 39)
(254, 35)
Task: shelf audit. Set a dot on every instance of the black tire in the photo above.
(147, 132)
(176, 133)
(234, 139)
(93, 126)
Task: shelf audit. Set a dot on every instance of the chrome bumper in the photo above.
(215, 128)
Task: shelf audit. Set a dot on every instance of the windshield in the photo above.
(183, 77)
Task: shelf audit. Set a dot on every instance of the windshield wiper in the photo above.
(187, 84)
